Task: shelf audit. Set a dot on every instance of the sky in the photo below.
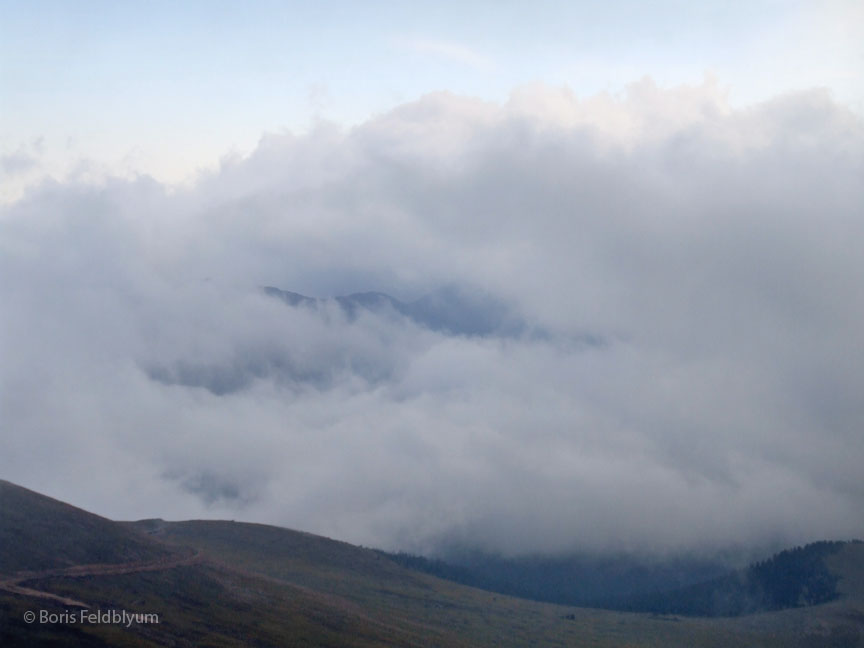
(169, 88)
(666, 197)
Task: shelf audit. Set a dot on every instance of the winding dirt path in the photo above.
(13, 583)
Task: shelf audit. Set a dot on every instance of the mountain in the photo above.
(37, 533)
(452, 310)
(681, 585)
(449, 311)
(792, 578)
(578, 579)
(220, 583)
(288, 362)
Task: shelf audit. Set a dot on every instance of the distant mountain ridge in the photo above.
(449, 311)
(452, 310)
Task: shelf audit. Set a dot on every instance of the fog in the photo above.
(686, 372)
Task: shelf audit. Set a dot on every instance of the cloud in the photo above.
(16, 163)
(710, 254)
(20, 167)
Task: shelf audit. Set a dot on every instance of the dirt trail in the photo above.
(13, 583)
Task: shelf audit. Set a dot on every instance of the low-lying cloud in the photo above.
(687, 372)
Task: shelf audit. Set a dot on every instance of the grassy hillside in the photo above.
(260, 585)
(207, 606)
(37, 532)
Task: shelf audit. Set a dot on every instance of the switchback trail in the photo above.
(13, 583)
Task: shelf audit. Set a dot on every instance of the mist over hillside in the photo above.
(649, 335)
(722, 586)
(228, 583)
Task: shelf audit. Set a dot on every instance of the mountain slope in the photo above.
(793, 578)
(577, 579)
(689, 586)
(451, 310)
(38, 532)
(250, 584)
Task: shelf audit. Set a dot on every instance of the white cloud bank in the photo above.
(715, 252)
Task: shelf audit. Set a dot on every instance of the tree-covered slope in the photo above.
(792, 578)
